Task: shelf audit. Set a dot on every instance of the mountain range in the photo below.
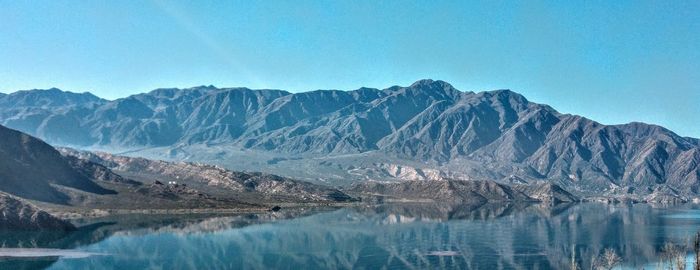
(426, 131)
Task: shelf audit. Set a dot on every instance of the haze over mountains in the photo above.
(426, 131)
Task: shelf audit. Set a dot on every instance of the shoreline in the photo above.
(71, 213)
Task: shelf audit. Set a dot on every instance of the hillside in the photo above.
(82, 182)
(256, 187)
(16, 214)
(30, 168)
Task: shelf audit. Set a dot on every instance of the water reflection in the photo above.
(394, 236)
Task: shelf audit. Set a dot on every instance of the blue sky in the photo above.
(611, 61)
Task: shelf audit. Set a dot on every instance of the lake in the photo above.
(391, 236)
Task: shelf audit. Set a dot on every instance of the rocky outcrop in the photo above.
(15, 214)
(448, 191)
(547, 193)
(97, 171)
(665, 195)
(460, 191)
(187, 196)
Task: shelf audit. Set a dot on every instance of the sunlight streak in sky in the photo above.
(190, 26)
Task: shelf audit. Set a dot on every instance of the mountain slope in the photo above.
(30, 168)
(342, 136)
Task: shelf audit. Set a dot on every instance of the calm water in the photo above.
(390, 236)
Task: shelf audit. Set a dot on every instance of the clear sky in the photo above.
(611, 61)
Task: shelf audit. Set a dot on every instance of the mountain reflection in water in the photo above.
(394, 236)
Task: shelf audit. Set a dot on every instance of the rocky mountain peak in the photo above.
(430, 83)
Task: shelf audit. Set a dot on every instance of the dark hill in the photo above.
(29, 168)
